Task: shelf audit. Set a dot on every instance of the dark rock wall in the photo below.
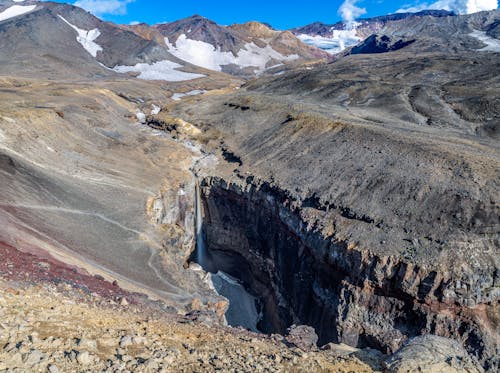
(348, 295)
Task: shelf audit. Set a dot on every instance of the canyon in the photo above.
(349, 296)
(334, 213)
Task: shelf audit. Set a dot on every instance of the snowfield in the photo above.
(492, 44)
(162, 70)
(86, 38)
(340, 40)
(206, 55)
(178, 96)
(16, 10)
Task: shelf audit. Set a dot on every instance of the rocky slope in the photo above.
(84, 182)
(369, 184)
(432, 30)
(326, 30)
(60, 40)
(454, 34)
(59, 329)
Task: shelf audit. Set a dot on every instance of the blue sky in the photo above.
(281, 14)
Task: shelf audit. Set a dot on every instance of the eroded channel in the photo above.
(276, 272)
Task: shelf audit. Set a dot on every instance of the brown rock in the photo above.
(303, 337)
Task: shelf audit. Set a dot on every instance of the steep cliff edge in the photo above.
(350, 295)
(371, 191)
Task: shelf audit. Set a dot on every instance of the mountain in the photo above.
(244, 50)
(339, 36)
(60, 39)
(322, 29)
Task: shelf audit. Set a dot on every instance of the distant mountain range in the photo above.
(53, 38)
(336, 37)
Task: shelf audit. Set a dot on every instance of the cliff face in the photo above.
(361, 197)
(350, 295)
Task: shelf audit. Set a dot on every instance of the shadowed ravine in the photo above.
(243, 306)
(299, 277)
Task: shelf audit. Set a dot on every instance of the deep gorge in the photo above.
(299, 277)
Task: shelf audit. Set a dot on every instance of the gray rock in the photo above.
(126, 341)
(339, 349)
(43, 265)
(123, 302)
(303, 337)
(431, 353)
(86, 343)
(84, 358)
(52, 369)
(139, 340)
(33, 357)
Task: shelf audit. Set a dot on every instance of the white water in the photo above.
(201, 252)
(242, 309)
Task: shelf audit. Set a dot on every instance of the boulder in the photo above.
(302, 336)
(431, 353)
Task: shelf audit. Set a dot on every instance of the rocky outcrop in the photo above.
(255, 233)
(380, 44)
(302, 336)
(432, 354)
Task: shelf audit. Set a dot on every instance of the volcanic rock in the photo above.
(432, 354)
(302, 336)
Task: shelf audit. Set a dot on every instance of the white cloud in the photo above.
(100, 7)
(457, 6)
(350, 12)
(340, 40)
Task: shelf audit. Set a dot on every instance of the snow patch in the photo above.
(155, 110)
(141, 117)
(16, 10)
(86, 38)
(206, 55)
(340, 40)
(178, 96)
(492, 44)
(162, 70)
(242, 310)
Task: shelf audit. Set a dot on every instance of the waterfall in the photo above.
(200, 240)
(242, 309)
